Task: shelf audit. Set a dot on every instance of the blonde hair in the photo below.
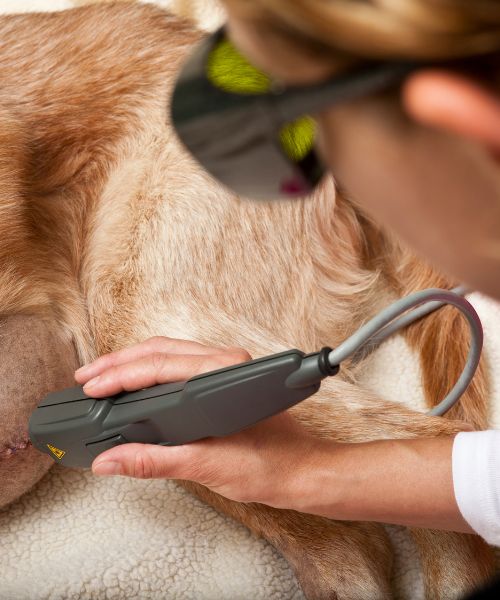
(416, 29)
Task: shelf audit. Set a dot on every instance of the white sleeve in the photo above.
(476, 481)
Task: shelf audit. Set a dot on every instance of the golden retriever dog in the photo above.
(110, 234)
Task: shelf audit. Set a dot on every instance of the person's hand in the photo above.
(260, 464)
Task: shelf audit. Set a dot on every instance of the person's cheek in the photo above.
(438, 191)
(366, 145)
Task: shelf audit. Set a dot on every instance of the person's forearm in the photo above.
(407, 482)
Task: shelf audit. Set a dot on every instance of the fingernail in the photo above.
(92, 383)
(84, 368)
(107, 468)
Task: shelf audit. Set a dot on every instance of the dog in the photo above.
(111, 234)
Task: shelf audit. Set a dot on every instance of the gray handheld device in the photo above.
(75, 428)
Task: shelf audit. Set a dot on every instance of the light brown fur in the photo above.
(110, 234)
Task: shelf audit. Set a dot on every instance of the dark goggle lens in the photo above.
(223, 112)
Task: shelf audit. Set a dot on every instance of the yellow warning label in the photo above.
(56, 452)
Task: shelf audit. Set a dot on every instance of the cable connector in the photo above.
(313, 369)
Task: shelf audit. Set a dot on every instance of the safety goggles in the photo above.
(253, 135)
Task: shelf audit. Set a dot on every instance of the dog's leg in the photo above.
(35, 359)
(331, 559)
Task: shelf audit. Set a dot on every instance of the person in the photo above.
(425, 162)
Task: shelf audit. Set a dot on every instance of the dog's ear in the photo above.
(35, 358)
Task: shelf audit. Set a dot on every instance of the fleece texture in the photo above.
(75, 536)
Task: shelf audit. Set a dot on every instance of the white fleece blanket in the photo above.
(75, 536)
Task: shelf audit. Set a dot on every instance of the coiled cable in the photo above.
(393, 318)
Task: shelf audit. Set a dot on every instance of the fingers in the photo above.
(155, 369)
(154, 344)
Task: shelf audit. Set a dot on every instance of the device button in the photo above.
(97, 447)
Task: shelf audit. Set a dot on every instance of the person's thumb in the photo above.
(144, 461)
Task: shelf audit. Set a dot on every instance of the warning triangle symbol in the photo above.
(56, 452)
